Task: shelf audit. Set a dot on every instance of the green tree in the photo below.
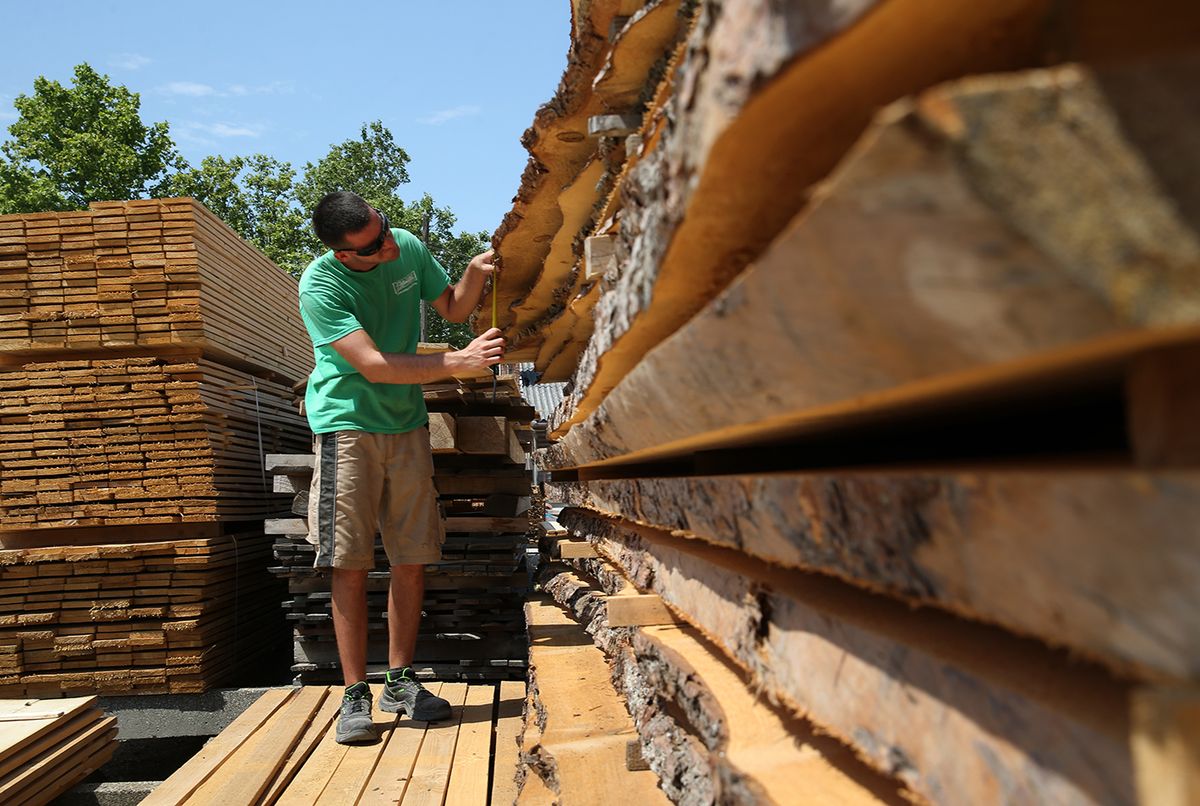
(256, 197)
(75, 145)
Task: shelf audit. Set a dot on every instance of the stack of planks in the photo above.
(122, 276)
(48, 746)
(147, 356)
(138, 440)
(472, 626)
(283, 750)
(882, 410)
(174, 616)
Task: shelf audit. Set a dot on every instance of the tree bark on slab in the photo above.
(961, 712)
(910, 278)
(1069, 196)
(709, 738)
(1103, 563)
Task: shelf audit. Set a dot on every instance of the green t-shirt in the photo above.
(334, 302)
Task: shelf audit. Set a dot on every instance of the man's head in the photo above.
(359, 235)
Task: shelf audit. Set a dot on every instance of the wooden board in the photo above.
(569, 677)
(993, 707)
(1044, 553)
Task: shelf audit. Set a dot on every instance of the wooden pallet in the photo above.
(282, 750)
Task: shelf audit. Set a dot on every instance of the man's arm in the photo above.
(457, 301)
(360, 351)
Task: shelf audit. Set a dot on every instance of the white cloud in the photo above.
(195, 89)
(189, 88)
(129, 61)
(445, 115)
(204, 133)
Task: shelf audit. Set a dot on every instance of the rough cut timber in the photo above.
(145, 276)
(139, 440)
(537, 287)
(48, 746)
(1100, 562)
(576, 756)
(743, 153)
(708, 736)
(1017, 227)
(958, 711)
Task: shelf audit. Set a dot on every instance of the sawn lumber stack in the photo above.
(147, 356)
(882, 325)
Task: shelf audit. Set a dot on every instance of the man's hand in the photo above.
(483, 263)
(485, 351)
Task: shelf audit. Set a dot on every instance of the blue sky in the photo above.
(456, 81)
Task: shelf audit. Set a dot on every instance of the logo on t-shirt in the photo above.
(404, 283)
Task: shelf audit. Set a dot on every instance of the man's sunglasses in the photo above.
(377, 244)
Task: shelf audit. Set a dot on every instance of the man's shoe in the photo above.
(404, 695)
(354, 721)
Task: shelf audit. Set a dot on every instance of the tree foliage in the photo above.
(74, 145)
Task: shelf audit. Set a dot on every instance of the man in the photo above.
(374, 469)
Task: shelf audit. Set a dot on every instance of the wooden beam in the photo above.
(1166, 745)
(599, 256)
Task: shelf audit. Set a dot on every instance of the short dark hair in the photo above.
(338, 213)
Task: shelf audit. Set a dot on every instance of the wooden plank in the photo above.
(357, 765)
(1044, 553)
(574, 549)
(316, 773)
(1012, 710)
(1032, 331)
(393, 772)
(17, 786)
(508, 732)
(570, 677)
(472, 753)
(317, 729)
(1166, 745)
(188, 778)
(482, 435)
(1164, 391)
(431, 773)
(442, 432)
(638, 610)
(599, 256)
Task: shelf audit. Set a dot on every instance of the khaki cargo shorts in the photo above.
(367, 482)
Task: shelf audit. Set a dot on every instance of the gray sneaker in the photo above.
(404, 695)
(354, 721)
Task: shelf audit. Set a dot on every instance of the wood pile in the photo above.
(177, 616)
(882, 325)
(147, 356)
(48, 746)
(123, 276)
(472, 627)
(283, 750)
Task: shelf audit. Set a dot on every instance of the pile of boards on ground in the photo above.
(147, 356)
(472, 626)
(882, 327)
(48, 746)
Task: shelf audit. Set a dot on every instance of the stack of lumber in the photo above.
(138, 440)
(283, 750)
(177, 616)
(48, 746)
(147, 356)
(166, 273)
(883, 406)
(472, 625)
